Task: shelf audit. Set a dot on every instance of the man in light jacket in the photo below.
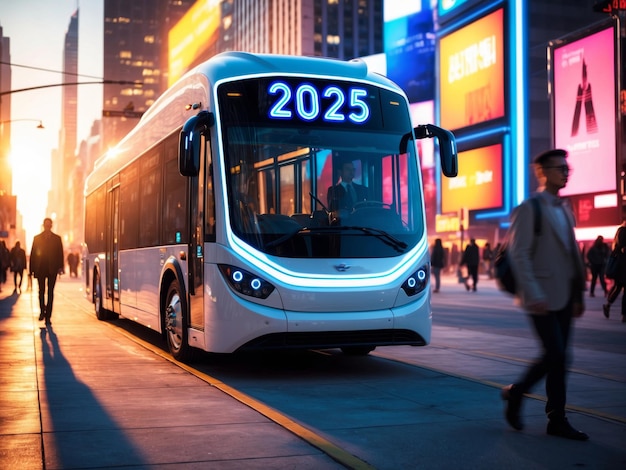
(550, 278)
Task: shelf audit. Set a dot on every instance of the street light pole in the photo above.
(39, 126)
(99, 82)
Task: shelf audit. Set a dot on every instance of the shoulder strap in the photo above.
(537, 212)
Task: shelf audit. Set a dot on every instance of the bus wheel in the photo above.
(357, 350)
(101, 312)
(175, 328)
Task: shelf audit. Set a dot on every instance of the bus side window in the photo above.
(175, 205)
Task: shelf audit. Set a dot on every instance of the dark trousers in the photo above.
(553, 330)
(16, 274)
(45, 307)
(472, 272)
(597, 273)
(437, 274)
(614, 293)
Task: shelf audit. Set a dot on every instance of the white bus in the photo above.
(213, 221)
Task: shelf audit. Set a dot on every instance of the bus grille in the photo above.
(334, 339)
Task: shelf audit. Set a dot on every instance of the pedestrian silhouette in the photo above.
(619, 280)
(18, 265)
(596, 257)
(471, 259)
(46, 263)
(437, 262)
(5, 261)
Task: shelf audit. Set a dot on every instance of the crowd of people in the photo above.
(469, 263)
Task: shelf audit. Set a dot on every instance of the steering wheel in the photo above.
(364, 204)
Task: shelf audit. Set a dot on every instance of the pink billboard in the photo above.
(585, 106)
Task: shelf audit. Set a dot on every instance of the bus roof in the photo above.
(233, 64)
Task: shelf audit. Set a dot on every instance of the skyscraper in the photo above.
(346, 29)
(5, 115)
(135, 46)
(64, 160)
(343, 29)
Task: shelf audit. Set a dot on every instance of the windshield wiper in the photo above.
(380, 234)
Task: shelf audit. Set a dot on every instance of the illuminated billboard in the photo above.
(410, 47)
(585, 106)
(471, 73)
(194, 38)
(479, 184)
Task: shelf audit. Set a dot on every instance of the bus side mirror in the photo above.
(447, 150)
(447, 146)
(190, 144)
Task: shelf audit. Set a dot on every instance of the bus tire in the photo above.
(102, 314)
(175, 322)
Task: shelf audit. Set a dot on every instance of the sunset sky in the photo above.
(36, 29)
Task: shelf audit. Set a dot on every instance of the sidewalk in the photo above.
(77, 395)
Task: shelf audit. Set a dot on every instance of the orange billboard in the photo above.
(478, 184)
(192, 36)
(471, 75)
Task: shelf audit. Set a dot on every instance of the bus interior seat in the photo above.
(304, 220)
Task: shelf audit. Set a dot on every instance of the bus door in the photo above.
(112, 288)
(196, 243)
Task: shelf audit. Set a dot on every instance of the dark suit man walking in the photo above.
(550, 275)
(46, 262)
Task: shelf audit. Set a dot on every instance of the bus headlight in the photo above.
(417, 282)
(245, 283)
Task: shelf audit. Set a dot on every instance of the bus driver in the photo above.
(343, 196)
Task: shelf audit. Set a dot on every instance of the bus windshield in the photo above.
(303, 187)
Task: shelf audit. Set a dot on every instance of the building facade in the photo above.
(62, 199)
(135, 47)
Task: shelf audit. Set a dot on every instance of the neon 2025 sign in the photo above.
(306, 103)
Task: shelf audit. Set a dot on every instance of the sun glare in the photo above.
(31, 182)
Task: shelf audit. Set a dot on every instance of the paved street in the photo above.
(88, 394)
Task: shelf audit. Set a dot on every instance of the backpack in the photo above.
(502, 264)
(614, 265)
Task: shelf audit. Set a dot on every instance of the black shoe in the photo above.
(562, 428)
(605, 310)
(467, 287)
(513, 397)
(41, 316)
